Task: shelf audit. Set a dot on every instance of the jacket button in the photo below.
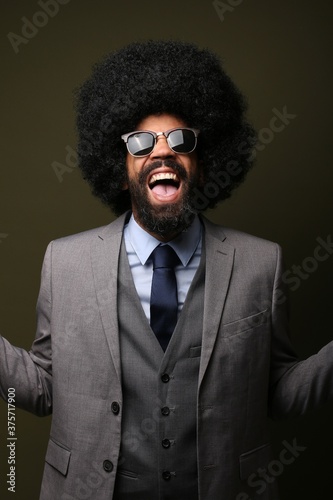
(107, 466)
(166, 443)
(166, 475)
(165, 378)
(115, 407)
(165, 411)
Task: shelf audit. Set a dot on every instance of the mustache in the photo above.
(175, 166)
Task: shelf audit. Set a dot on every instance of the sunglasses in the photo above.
(142, 142)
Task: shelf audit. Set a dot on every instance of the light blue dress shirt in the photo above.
(139, 246)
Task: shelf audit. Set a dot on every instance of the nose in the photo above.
(162, 149)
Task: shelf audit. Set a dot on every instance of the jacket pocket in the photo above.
(58, 457)
(127, 473)
(195, 352)
(244, 324)
(251, 461)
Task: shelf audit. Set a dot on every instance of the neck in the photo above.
(164, 238)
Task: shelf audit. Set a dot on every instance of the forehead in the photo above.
(160, 123)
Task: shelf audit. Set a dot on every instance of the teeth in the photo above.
(162, 176)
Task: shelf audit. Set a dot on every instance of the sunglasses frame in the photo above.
(166, 134)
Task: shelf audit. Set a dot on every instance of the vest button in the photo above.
(166, 443)
(165, 378)
(166, 475)
(115, 407)
(165, 411)
(107, 466)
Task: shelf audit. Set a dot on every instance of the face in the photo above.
(161, 184)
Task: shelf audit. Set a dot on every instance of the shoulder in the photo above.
(84, 238)
(235, 237)
(248, 250)
(72, 255)
(76, 248)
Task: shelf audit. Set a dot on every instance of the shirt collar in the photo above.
(144, 243)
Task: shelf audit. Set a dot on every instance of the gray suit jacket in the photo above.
(248, 369)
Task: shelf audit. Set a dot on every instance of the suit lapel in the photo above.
(219, 263)
(105, 249)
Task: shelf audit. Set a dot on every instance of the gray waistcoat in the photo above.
(158, 452)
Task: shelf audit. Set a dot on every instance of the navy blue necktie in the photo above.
(164, 298)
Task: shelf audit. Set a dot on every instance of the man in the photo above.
(160, 381)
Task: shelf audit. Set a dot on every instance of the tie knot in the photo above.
(164, 257)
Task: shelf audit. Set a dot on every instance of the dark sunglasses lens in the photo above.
(141, 144)
(182, 140)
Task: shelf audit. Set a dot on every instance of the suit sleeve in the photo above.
(295, 386)
(30, 373)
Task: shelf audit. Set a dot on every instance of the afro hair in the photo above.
(155, 77)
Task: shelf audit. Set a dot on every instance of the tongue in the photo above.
(164, 189)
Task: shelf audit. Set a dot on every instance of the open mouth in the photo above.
(164, 183)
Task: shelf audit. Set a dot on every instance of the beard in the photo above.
(169, 218)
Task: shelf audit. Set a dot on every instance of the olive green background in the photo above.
(280, 54)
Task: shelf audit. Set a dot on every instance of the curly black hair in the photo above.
(155, 77)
